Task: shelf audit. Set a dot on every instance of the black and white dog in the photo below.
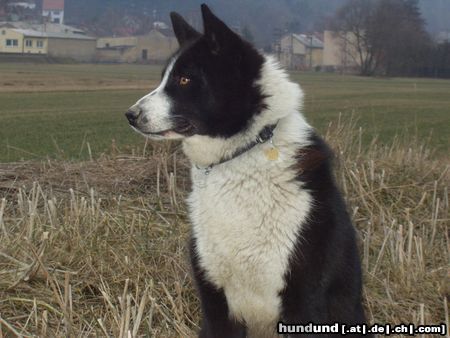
(271, 239)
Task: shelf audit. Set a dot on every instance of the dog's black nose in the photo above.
(132, 116)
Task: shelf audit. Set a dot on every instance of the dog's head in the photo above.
(209, 86)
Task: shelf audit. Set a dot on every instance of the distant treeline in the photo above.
(436, 63)
(388, 37)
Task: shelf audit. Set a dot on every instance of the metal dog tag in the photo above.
(272, 153)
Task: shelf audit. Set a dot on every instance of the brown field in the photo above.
(97, 248)
(31, 77)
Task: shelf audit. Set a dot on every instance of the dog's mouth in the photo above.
(182, 128)
(158, 133)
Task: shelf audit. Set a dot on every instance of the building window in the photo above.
(29, 43)
(3, 32)
(12, 42)
(40, 44)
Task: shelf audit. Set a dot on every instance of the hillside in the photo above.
(262, 17)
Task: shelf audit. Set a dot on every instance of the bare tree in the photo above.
(397, 31)
(384, 36)
(351, 24)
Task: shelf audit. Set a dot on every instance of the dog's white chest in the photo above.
(246, 218)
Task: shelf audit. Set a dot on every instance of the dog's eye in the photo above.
(184, 81)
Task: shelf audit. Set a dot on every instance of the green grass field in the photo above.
(57, 110)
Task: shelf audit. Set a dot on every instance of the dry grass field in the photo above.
(96, 247)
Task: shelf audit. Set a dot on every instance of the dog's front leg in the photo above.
(216, 321)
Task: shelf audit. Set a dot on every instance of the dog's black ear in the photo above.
(183, 31)
(217, 33)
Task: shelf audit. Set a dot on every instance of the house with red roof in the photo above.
(53, 10)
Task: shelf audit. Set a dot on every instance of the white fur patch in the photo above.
(248, 212)
(156, 106)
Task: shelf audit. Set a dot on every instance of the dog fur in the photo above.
(271, 238)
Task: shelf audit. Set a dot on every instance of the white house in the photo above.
(53, 10)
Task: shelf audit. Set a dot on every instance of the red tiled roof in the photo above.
(53, 4)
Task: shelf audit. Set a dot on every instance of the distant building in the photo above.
(30, 4)
(59, 45)
(160, 25)
(53, 10)
(18, 41)
(443, 37)
(156, 46)
(18, 9)
(339, 52)
(45, 27)
(300, 51)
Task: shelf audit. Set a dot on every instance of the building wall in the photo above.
(78, 49)
(8, 34)
(293, 61)
(317, 57)
(56, 16)
(153, 47)
(21, 4)
(291, 45)
(114, 42)
(110, 55)
(332, 55)
(295, 55)
(38, 45)
(127, 55)
(299, 48)
(158, 46)
(337, 52)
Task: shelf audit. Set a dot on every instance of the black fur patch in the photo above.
(323, 283)
(221, 97)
